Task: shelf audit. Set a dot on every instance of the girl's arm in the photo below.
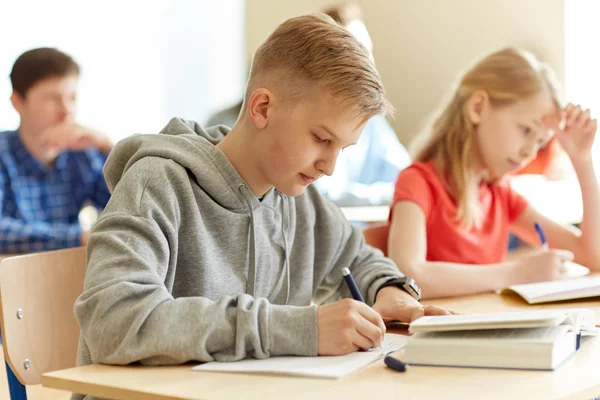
(407, 246)
(576, 138)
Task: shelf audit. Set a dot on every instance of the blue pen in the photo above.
(352, 285)
(390, 361)
(540, 233)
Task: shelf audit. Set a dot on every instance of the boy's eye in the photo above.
(319, 139)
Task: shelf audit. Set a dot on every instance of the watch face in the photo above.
(411, 287)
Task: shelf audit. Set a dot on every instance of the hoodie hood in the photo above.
(191, 146)
(194, 148)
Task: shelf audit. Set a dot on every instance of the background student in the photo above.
(452, 209)
(51, 165)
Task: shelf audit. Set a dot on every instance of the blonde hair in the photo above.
(313, 49)
(506, 76)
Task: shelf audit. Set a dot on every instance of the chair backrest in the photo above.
(37, 294)
(377, 236)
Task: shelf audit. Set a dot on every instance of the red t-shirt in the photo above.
(446, 240)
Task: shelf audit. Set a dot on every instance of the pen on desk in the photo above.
(540, 233)
(389, 361)
(352, 285)
(394, 363)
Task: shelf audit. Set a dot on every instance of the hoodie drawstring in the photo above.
(285, 246)
(251, 284)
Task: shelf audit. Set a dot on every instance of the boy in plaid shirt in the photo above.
(50, 166)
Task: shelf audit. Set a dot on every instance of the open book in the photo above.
(567, 289)
(538, 339)
(317, 367)
(574, 270)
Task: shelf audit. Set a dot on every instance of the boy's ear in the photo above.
(259, 103)
(476, 104)
(17, 101)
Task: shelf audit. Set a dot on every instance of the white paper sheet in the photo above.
(331, 367)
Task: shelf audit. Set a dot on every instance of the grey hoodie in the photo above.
(186, 263)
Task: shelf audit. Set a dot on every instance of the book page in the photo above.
(558, 290)
(318, 367)
(545, 334)
(497, 320)
(574, 270)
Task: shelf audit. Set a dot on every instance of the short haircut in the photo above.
(313, 49)
(38, 64)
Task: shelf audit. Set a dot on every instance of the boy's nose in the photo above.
(328, 164)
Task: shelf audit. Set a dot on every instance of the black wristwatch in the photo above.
(409, 285)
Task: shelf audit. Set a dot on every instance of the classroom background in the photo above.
(145, 62)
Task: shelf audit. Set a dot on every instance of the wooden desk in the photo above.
(492, 302)
(577, 379)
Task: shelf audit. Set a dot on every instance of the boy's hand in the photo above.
(71, 136)
(394, 304)
(577, 132)
(347, 326)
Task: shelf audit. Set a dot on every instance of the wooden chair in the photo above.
(39, 330)
(377, 236)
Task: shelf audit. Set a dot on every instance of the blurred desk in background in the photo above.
(366, 213)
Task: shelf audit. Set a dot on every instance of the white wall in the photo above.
(582, 61)
(142, 62)
(420, 46)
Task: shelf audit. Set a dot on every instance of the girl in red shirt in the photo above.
(452, 210)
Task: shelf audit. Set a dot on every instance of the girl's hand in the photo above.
(575, 131)
(541, 265)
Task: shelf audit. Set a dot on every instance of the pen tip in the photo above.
(345, 271)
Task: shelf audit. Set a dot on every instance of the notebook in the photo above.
(567, 289)
(331, 367)
(538, 339)
(574, 270)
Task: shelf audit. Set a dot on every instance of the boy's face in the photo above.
(47, 103)
(509, 137)
(303, 141)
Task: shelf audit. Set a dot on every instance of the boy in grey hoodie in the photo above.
(216, 247)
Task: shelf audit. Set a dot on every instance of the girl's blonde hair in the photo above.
(506, 76)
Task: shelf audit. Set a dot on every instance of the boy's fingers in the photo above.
(435, 310)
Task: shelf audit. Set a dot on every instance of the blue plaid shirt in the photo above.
(40, 205)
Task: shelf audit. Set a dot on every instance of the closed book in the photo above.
(537, 339)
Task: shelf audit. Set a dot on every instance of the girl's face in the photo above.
(509, 137)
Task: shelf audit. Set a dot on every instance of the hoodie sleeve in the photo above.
(340, 245)
(127, 314)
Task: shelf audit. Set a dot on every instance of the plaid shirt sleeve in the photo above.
(100, 193)
(17, 236)
(25, 237)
